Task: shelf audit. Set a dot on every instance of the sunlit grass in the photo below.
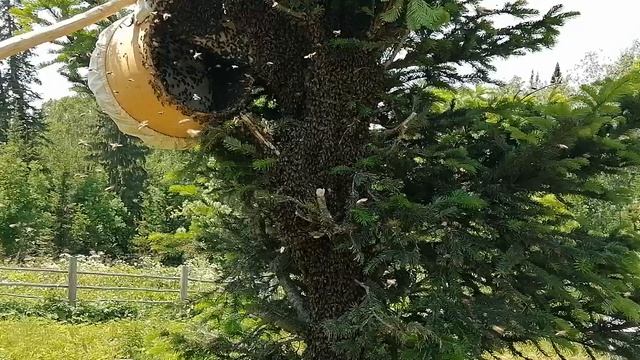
(547, 353)
(39, 339)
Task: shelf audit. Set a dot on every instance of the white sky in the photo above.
(604, 26)
(607, 27)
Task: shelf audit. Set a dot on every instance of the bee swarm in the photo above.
(208, 80)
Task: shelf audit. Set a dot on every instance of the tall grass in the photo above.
(39, 339)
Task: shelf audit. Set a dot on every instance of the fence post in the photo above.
(184, 283)
(72, 286)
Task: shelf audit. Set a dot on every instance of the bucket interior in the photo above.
(196, 79)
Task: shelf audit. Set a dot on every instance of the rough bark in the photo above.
(331, 133)
(322, 88)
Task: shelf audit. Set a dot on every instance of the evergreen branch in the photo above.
(402, 128)
(589, 352)
(379, 23)
(293, 294)
(557, 350)
(328, 224)
(542, 351)
(304, 217)
(249, 121)
(280, 320)
(517, 352)
(515, 98)
(396, 50)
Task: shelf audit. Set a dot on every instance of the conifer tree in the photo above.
(123, 158)
(446, 232)
(17, 75)
(380, 216)
(532, 81)
(4, 108)
(556, 78)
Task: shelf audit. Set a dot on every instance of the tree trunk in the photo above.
(321, 89)
(332, 133)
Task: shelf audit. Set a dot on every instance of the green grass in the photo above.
(548, 354)
(95, 330)
(39, 339)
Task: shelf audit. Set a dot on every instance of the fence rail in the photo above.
(33, 285)
(33, 269)
(73, 285)
(158, 277)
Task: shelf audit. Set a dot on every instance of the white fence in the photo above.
(72, 286)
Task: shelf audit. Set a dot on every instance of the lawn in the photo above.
(531, 352)
(40, 339)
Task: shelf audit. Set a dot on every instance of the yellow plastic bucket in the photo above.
(122, 82)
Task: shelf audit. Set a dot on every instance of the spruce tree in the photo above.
(532, 84)
(534, 81)
(556, 78)
(5, 111)
(17, 75)
(4, 108)
(123, 158)
(358, 209)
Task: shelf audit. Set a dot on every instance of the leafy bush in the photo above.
(62, 311)
(25, 222)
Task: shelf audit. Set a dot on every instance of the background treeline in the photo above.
(74, 191)
(70, 181)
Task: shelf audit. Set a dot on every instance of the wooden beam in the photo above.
(20, 43)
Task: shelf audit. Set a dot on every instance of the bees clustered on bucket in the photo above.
(197, 60)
